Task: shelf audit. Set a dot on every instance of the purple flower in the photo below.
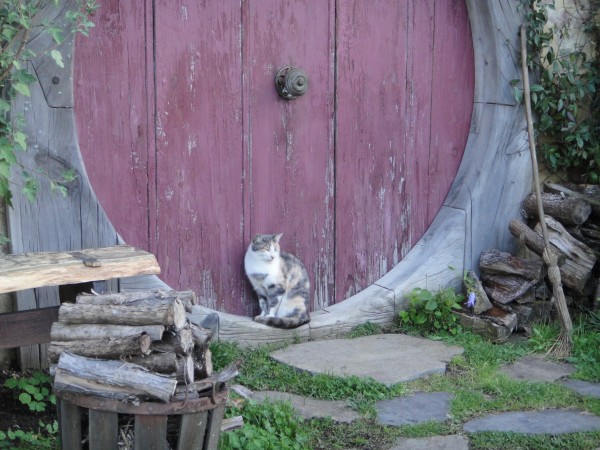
(471, 300)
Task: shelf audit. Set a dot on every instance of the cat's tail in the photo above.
(283, 322)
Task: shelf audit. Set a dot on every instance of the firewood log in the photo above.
(569, 210)
(105, 348)
(588, 192)
(180, 342)
(502, 263)
(533, 240)
(140, 298)
(66, 332)
(580, 259)
(110, 379)
(177, 366)
(505, 288)
(171, 314)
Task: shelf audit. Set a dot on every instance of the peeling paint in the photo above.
(207, 295)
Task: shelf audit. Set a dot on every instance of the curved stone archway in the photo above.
(493, 177)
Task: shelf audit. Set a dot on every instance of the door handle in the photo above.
(291, 82)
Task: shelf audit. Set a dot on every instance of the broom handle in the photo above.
(529, 116)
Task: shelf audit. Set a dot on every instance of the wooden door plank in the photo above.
(27, 327)
(371, 214)
(289, 154)
(114, 113)
(150, 432)
(199, 160)
(30, 270)
(452, 94)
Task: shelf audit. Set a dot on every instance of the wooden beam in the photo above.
(31, 270)
(27, 327)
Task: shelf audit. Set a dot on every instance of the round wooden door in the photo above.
(191, 151)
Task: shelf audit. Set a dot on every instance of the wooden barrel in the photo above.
(185, 425)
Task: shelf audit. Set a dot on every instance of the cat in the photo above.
(280, 281)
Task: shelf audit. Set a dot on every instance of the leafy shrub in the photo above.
(564, 93)
(34, 391)
(431, 313)
(267, 426)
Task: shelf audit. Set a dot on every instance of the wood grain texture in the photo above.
(30, 270)
(26, 328)
(477, 214)
(289, 145)
(51, 222)
(352, 173)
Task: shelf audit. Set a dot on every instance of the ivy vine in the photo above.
(17, 25)
(565, 92)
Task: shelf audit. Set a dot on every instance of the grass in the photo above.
(474, 378)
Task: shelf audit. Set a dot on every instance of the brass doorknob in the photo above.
(291, 82)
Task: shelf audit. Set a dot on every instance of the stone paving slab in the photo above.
(413, 409)
(583, 387)
(387, 358)
(536, 368)
(310, 408)
(432, 443)
(550, 421)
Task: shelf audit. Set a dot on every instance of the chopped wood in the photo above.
(31, 270)
(569, 210)
(503, 263)
(533, 240)
(483, 326)
(201, 336)
(232, 423)
(203, 363)
(105, 348)
(180, 342)
(580, 259)
(110, 379)
(66, 332)
(588, 192)
(505, 288)
(242, 391)
(178, 366)
(501, 316)
(140, 298)
(170, 314)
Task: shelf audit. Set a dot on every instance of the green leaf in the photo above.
(57, 57)
(431, 305)
(11, 383)
(30, 189)
(23, 89)
(21, 139)
(25, 398)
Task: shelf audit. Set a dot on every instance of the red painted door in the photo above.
(191, 151)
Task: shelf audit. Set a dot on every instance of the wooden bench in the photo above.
(33, 270)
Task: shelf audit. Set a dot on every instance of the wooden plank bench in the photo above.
(33, 270)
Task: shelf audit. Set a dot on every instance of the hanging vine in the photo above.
(17, 25)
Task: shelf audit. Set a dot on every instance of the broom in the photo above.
(562, 347)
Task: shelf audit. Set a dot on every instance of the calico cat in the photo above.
(280, 281)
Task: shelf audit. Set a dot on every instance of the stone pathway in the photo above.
(387, 358)
(395, 358)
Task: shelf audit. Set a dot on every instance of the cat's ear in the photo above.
(277, 237)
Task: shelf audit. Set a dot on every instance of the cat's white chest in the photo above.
(254, 264)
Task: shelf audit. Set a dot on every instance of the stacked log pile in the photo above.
(512, 291)
(137, 346)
